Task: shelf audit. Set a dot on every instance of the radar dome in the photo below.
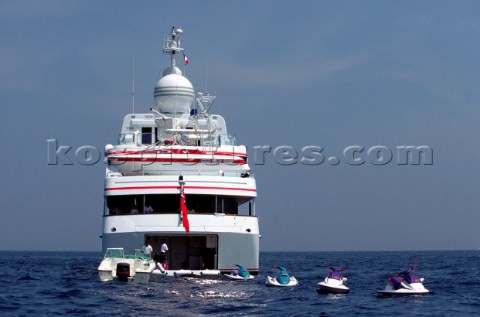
(174, 94)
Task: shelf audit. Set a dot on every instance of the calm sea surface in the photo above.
(55, 283)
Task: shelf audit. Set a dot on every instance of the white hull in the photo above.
(140, 276)
(194, 184)
(334, 286)
(180, 273)
(406, 289)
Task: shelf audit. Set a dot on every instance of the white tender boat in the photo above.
(116, 265)
(177, 175)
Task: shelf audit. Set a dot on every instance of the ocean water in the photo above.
(59, 283)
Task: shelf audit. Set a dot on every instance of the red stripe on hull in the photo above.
(170, 160)
(175, 151)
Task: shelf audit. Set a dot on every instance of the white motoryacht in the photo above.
(177, 177)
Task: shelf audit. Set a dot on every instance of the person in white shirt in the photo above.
(163, 253)
(147, 249)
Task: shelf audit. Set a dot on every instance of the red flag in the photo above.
(184, 212)
(185, 59)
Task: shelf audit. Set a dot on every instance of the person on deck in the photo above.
(134, 210)
(163, 253)
(148, 208)
(116, 211)
(147, 249)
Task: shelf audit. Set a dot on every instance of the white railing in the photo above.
(165, 138)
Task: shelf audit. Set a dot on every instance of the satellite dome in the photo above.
(174, 94)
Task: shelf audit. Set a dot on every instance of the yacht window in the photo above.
(230, 205)
(146, 135)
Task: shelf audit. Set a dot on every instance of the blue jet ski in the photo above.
(240, 274)
(282, 279)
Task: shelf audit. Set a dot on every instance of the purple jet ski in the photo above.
(333, 283)
(404, 283)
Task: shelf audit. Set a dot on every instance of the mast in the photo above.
(172, 46)
(173, 93)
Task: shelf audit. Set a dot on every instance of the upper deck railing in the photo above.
(184, 172)
(187, 139)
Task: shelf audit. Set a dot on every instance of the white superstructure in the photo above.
(179, 146)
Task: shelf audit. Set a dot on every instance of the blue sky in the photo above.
(294, 73)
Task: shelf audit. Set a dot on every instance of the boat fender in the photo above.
(159, 266)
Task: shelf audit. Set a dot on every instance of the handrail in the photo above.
(176, 137)
(185, 172)
(176, 213)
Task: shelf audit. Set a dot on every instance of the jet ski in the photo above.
(240, 274)
(404, 283)
(333, 283)
(282, 279)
